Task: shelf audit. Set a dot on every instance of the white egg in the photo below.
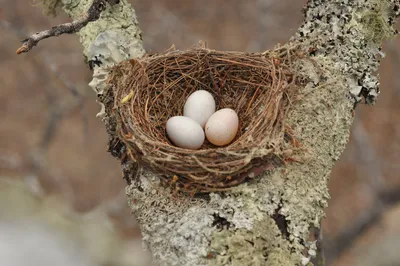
(222, 127)
(199, 106)
(184, 132)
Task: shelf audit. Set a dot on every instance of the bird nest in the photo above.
(144, 93)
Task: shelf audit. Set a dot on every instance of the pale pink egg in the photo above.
(222, 127)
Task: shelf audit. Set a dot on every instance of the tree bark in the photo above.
(266, 221)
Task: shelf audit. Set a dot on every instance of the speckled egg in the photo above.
(199, 106)
(184, 132)
(222, 127)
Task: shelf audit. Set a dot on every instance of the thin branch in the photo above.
(93, 14)
(47, 60)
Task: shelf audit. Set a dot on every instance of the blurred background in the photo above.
(53, 150)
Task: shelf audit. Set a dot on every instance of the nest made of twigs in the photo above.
(146, 92)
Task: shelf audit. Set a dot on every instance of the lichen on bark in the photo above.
(268, 218)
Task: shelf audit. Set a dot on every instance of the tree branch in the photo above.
(91, 15)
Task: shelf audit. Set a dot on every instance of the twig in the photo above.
(45, 58)
(36, 160)
(93, 14)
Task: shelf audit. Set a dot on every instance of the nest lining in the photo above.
(144, 93)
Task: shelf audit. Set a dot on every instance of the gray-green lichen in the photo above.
(120, 19)
(266, 221)
(111, 39)
(376, 21)
(351, 33)
(260, 245)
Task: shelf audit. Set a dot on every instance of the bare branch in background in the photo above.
(57, 112)
(370, 163)
(365, 221)
(35, 160)
(366, 157)
(45, 57)
(91, 15)
(341, 243)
